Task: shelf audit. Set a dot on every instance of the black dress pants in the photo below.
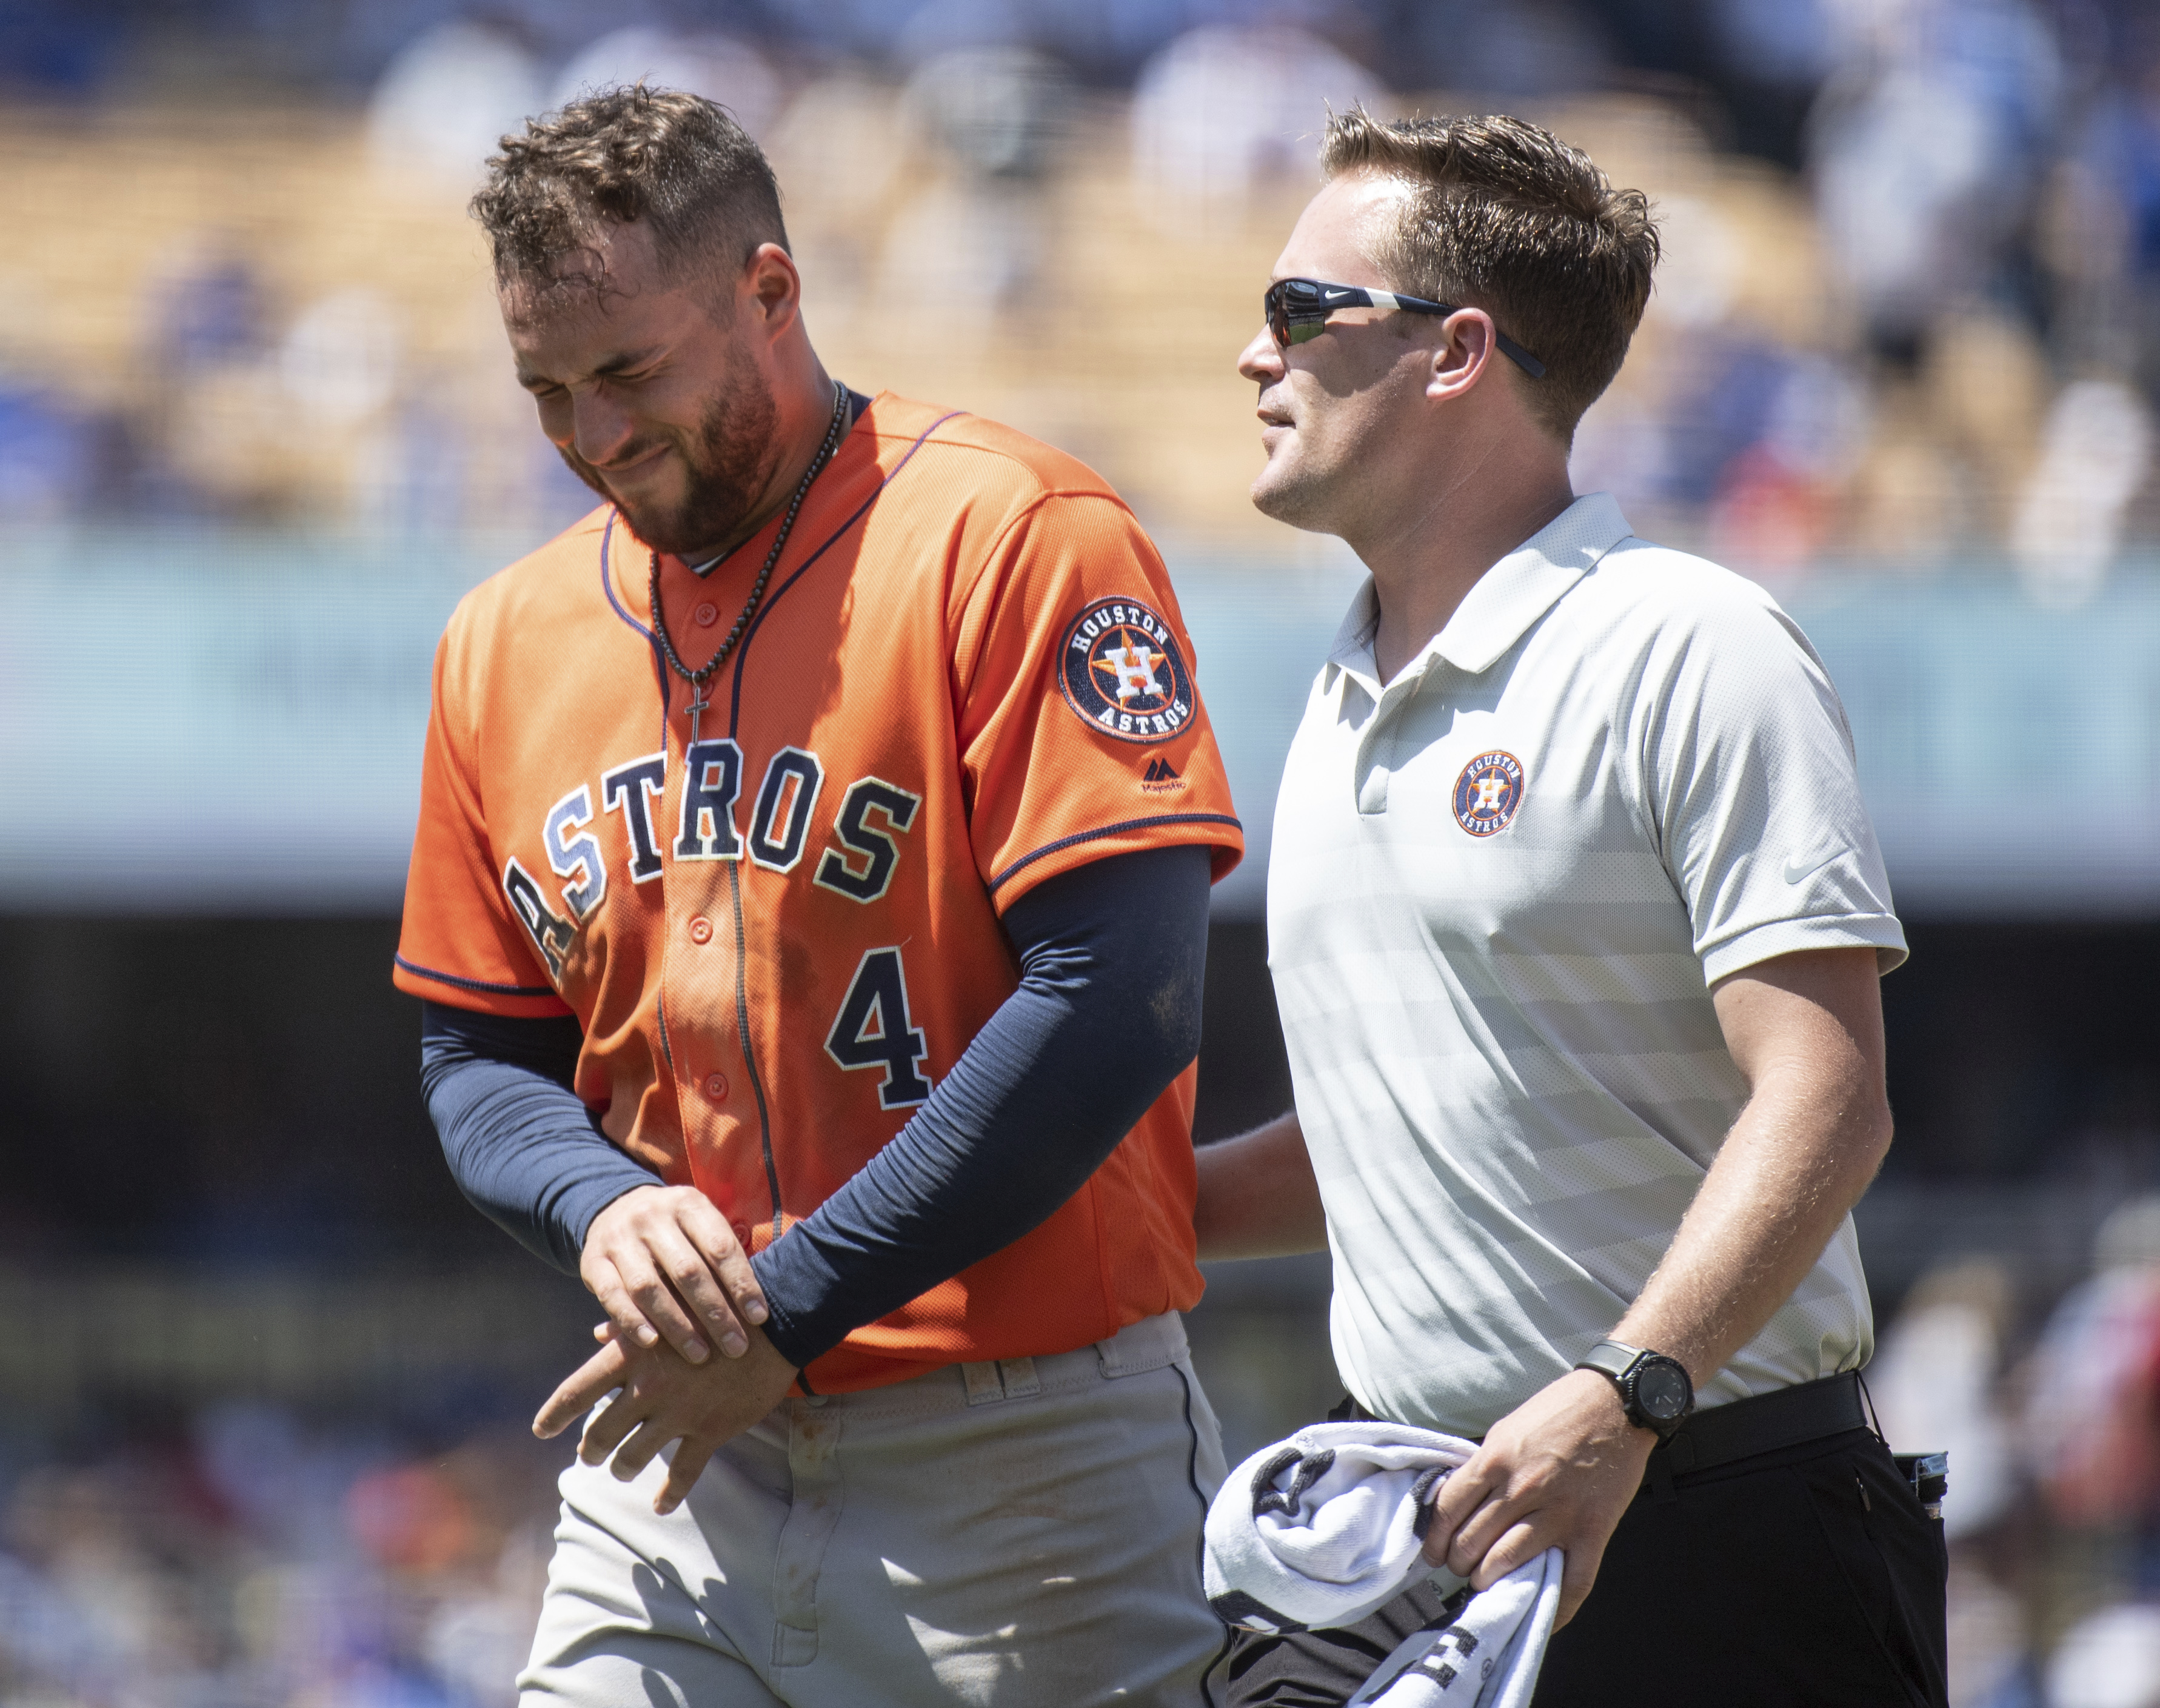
(1810, 1576)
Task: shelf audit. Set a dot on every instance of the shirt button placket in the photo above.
(1382, 744)
(715, 1085)
(1376, 753)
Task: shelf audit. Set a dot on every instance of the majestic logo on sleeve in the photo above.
(1487, 793)
(1121, 670)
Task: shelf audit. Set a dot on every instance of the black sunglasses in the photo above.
(1297, 309)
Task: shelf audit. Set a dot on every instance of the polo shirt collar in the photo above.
(1506, 600)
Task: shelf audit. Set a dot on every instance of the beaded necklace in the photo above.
(698, 678)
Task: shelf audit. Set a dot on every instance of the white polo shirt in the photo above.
(1499, 890)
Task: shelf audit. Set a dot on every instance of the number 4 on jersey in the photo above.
(873, 1031)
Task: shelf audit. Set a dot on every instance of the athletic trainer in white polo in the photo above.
(1577, 921)
(1499, 888)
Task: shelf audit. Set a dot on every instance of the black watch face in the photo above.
(1661, 1390)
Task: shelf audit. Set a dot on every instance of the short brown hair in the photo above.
(1503, 216)
(677, 162)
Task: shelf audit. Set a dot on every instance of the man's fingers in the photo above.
(606, 1283)
(637, 1451)
(740, 1281)
(1480, 1532)
(1461, 1493)
(666, 1264)
(606, 1429)
(1439, 1537)
(1575, 1585)
(578, 1395)
(1518, 1545)
(658, 1305)
(715, 1240)
(690, 1273)
(1581, 1552)
(1466, 1516)
(1585, 1553)
(683, 1470)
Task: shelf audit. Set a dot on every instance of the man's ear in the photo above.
(775, 286)
(1461, 356)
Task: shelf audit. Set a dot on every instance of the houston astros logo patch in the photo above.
(1120, 669)
(1487, 793)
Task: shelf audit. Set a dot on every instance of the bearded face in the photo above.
(723, 468)
(656, 385)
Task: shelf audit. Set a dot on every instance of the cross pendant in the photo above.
(698, 705)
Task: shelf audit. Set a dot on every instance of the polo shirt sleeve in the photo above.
(1752, 788)
(1082, 731)
(460, 944)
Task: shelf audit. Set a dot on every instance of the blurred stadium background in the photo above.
(265, 1375)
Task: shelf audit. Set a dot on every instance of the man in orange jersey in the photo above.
(809, 904)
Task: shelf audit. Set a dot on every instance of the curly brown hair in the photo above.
(677, 162)
(1503, 216)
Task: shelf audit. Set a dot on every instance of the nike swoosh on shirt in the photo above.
(1798, 866)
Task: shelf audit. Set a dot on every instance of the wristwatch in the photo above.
(1654, 1389)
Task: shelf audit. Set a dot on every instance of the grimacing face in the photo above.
(1323, 404)
(652, 394)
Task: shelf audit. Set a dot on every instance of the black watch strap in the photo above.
(1610, 1358)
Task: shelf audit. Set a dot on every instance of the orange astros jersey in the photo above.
(968, 675)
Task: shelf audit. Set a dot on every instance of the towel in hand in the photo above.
(1487, 1654)
(1320, 1529)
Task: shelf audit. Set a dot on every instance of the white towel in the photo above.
(1319, 1530)
(1486, 1655)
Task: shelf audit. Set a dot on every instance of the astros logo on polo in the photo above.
(1120, 669)
(1487, 793)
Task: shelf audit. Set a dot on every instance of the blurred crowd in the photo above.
(1910, 315)
(2052, 1422)
(243, 1559)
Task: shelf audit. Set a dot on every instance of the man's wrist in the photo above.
(763, 1357)
(1654, 1389)
(783, 1329)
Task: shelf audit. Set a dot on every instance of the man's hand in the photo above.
(1557, 1471)
(663, 1399)
(663, 1263)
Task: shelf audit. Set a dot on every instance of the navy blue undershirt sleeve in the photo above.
(530, 1155)
(1108, 1013)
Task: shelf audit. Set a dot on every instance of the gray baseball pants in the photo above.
(1023, 1534)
